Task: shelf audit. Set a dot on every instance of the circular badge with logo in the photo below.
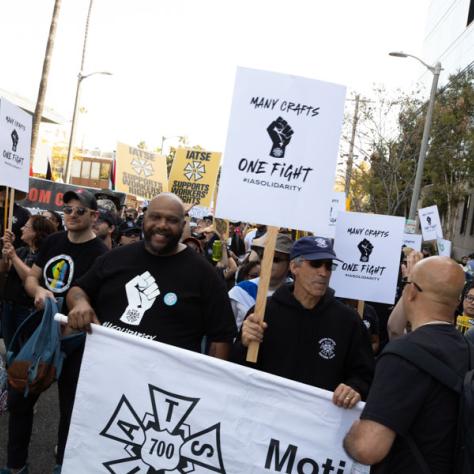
(170, 299)
(58, 273)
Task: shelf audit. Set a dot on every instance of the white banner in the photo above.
(430, 223)
(413, 241)
(281, 151)
(444, 247)
(369, 246)
(15, 144)
(143, 406)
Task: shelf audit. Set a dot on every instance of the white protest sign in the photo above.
(15, 144)
(413, 241)
(369, 246)
(430, 223)
(199, 212)
(444, 247)
(142, 406)
(338, 203)
(281, 151)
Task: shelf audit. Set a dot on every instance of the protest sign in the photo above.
(199, 212)
(430, 223)
(413, 241)
(45, 195)
(140, 172)
(281, 150)
(15, 144)
(151, 407)
(369, 246)
(444, 247)
(338, 203)
(193, 175)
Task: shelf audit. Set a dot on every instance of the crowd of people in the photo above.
(162, 275)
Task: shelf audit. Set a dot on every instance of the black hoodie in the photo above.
(323, 346)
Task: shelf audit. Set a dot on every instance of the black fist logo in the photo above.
(365, 248)
(15, 137)
(428, 219)
(280, 133)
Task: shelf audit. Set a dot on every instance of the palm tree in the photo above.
(44, 80)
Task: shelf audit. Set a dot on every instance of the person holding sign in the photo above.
(407, 407)
(308, 335)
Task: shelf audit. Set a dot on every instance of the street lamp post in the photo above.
(436, 70)
(80, 78)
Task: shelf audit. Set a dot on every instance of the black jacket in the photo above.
(323, 347)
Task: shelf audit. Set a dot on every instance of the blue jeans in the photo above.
(13, 315)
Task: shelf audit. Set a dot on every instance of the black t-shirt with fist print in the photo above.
(63, 261)
(176, 299)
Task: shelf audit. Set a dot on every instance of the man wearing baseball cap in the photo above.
(64, 257)
(308, 335)
(244, 294)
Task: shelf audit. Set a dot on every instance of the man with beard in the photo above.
(149, 288)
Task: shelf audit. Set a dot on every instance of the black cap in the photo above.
(106, 216)
(128, 226)
(85, 197)
(108, 194)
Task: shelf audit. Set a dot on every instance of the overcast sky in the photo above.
(174, 61)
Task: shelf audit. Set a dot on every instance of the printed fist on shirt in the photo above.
(142, 292)
(280, 133)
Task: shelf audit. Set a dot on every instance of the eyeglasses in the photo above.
(328, 264)
(469, 298)
(418, 287)
(80, 211)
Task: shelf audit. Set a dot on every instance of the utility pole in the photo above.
(350, 157)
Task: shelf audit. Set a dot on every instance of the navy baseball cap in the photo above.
(106, 216)
(313, 248)
(85, 197)
(129, 226)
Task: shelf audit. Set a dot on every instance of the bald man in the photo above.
(405, 401)
(158, 288)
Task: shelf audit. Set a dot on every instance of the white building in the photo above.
(449, 38)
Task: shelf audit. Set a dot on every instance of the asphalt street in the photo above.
(44, 436)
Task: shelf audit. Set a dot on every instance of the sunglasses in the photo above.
(328, 264)
(80, 211)
(418, 287)
(132, 233)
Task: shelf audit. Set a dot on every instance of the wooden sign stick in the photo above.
(360, 308)
(263, 284)
(5, 209)
(11, 203)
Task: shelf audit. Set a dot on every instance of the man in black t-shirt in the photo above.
(404, 401)
(158, 288)
(63, 257)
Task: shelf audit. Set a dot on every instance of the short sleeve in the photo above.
(91, 281)
(219, 318)
(390, 403)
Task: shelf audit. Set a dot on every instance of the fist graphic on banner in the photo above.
(142, 292)
(280, 133)
(15, 138)
(365, 248)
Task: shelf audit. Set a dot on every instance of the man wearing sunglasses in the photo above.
(130, 233)
(409, 423)
(308, 335)
(244, 294)
(64, 257)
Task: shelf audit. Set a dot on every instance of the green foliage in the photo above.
(390, 133)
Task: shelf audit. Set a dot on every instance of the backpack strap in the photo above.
(425, 469)
(425, 361)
